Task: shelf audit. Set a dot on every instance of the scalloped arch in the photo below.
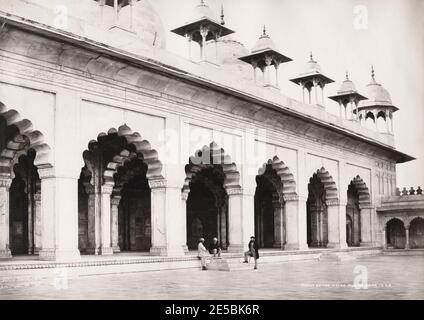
(141, 146)
(27, 138)
(363, 191)
(327, 180)
(283, 172)
(212, 155)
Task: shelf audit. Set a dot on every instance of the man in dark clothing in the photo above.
(253, 252)
(214, 248)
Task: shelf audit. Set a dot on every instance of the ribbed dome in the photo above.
(202, 11)
(347, 86)
(147, 23)
(226, 50)
(377, 93)
(312, 66)
(264, 42)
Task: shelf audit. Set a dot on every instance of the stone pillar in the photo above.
(336, 224)
(204, 33)
(158, 218)
(356, 228)
(114, 211)
(407, 246)
(59, 217)
(268, 61)
(168, 220)
(37, 225)
(5, 183)
(131, 3)
(255, 66)
(295, 214)
(105, 218)
(320, 216)
(315, 91)
(93, 217)
(235, 198)
(277, 81)
(115, 7)
(384, 236)
(366, 225)
(278, 225)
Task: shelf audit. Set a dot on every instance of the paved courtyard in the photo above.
(388, 277)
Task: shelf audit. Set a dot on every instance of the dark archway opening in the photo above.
(416, 233)
(269, 209)
(134, 218)
(24, 207)
(354, 213)
(396, 234)
(317, 216)
(207, 207)
(112, 161)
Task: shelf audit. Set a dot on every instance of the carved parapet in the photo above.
(410, 192)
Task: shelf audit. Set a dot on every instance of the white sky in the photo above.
(393, 43)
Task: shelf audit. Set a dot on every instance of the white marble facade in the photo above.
(63, 91)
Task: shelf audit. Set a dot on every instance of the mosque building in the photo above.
(110, 143)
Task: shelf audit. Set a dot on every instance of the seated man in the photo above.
(201, 253)
(214, 248)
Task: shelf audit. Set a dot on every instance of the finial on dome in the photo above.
(222, 15)
(311, 56)
(347, 75)
(264, 31)
(202, 2)
(372, 73)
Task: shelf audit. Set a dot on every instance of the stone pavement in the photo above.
(389, 277)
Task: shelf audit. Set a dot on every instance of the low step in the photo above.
(336, 256)
(222, 264)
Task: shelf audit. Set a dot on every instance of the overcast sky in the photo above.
(392, 41)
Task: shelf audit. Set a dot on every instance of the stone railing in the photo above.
(410, 192)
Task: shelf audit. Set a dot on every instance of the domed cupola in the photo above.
(378, 105)
(203, 11)
(347, 96)
(132, 24)
(227, 50)
(263, 56)
(312, 78)
(203, 27)
(311, 67)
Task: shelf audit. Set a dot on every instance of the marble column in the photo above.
(93, 217)
(204, 33)
(37, 226)
(407, 246)
(114, 211)
(5, 183)
(366, 225)
(59, 217)
(295, 214)
(105, 218)
(336, 224)
(235, 220)
(278, 225)
(384, 238)
(168, 216)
